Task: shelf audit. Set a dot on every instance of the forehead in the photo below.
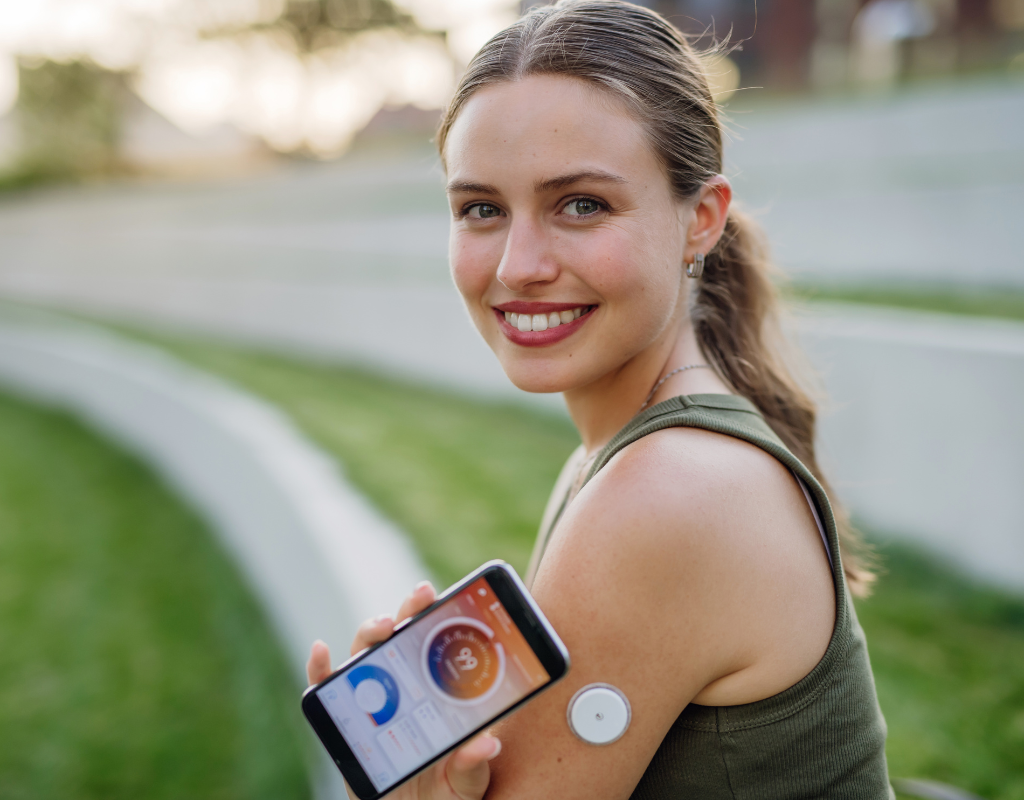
(542, 124)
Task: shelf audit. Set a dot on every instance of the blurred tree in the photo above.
(315, 24)
(69, 116)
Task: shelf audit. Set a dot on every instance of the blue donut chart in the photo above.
(371, 672)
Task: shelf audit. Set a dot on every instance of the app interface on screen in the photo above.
(432, 684)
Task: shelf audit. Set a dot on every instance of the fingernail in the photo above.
(497, 749)
(381, 618)
(422, 585)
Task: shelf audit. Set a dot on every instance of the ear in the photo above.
(708, 218)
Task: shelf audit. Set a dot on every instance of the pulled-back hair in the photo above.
(641, 58)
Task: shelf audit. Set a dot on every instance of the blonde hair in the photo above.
(641, 58)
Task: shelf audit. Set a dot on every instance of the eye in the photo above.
(581, 207)
(483, 211)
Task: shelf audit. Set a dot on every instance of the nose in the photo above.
(528, 258)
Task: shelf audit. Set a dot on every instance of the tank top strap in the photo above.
(730, 415)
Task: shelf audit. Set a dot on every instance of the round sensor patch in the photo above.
(599, 713)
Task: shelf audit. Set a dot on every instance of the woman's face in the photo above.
(567, 243)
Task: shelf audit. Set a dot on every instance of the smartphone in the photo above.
(480, 651)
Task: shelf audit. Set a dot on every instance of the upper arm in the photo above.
(666, 576)
(631, 584)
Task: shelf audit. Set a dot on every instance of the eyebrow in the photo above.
(468, 187)
(560, 182)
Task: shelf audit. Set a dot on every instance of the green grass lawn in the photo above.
(948, 657)
(468, 480)
(134, 663)
(999, 302)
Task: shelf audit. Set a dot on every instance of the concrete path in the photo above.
(320, 559)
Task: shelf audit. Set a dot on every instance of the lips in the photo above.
(537, 324)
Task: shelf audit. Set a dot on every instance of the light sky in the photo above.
(255, 82)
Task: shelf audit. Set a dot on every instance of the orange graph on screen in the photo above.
(464, 661)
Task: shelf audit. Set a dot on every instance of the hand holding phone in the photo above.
(465, 774)
(393, 715)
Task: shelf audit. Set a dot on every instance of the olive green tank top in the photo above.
(824, 737)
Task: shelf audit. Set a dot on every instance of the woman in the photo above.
(689, 555)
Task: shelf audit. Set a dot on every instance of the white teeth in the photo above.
(541, 322)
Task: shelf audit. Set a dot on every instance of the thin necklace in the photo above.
(673, 372)
(582, 469)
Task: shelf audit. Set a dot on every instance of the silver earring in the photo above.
(696, 269)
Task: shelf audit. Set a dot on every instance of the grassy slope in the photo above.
(1007, 303)
(466, 479)
(133, 661)
(469, 479)
(948, 658)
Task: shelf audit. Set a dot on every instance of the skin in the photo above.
(690, 568)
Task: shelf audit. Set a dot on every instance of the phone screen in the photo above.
(430, 685)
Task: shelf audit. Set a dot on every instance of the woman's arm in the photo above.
(671, 574)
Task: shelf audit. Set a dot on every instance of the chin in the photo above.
(539, 378)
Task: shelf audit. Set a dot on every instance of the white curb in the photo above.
(924, 437)
(319, 557)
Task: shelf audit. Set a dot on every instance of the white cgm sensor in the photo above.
(599, 713)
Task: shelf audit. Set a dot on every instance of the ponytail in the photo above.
(735, 314)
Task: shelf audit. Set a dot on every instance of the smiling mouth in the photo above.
(526, 323)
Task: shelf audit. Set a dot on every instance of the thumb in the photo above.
(468, 770)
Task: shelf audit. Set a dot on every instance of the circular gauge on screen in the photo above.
(465, 663)
(376, 692)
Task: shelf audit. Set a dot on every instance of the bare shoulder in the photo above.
(698, 477)
(680, 573)
(696, 520)
(695, 495)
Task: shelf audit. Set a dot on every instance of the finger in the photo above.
(372, 631)
(468, 770)
(319, 665)
(422, 596)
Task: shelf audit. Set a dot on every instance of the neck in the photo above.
(600, 409)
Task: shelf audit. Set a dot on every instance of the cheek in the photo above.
(473, 265)
(636, 277)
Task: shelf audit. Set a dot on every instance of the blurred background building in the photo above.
(796, 45)
(178, 84)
